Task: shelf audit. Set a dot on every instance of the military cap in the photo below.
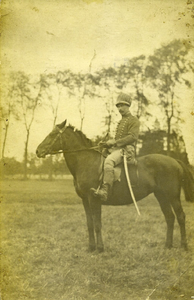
(123, 99)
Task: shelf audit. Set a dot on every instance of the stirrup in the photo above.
(99, 193)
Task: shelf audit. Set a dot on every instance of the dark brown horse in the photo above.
(158, 174)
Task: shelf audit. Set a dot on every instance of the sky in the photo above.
(42, 36)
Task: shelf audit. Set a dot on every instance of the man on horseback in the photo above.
(125, 139)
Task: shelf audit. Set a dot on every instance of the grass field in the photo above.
(44, 248)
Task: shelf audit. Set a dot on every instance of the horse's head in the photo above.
(53, 143)
(65, 138)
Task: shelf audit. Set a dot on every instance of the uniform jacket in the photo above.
(127, 131)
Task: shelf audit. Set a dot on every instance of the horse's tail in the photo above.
(187, 182)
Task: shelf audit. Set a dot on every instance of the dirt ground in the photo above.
(44, 248)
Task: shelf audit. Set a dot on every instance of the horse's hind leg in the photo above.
(176, 204)
(90, 224)
(169, 216)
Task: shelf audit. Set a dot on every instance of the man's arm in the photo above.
(132, 136)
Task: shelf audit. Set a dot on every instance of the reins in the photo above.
(77, 150)
(82, 149)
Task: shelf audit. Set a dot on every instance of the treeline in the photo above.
(149, 142)
(36, 168)
(153, 81)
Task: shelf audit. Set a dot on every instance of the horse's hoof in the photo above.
(167, 246)
(100, 249)
(184, 246)
(92, 248)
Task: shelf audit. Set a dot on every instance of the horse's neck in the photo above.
(78, 140)
(81, 161)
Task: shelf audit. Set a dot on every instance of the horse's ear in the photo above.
(62, 125)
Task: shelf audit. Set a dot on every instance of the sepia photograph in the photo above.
(97, 113)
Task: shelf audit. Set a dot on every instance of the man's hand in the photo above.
(110, 143)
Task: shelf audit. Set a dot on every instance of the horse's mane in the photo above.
(86, 142)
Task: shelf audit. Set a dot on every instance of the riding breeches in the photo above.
(116, 157)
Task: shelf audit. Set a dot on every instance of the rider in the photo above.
(125, 138)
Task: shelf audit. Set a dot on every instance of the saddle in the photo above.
(132, 170)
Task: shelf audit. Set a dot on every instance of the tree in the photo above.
(166, 70)
(10, 166)
(83, 87)
(28, 95)
(79, 90)
(132, 74)
(107, 84)
(8, 106)
(52, 86)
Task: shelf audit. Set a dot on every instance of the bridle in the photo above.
(59, 135)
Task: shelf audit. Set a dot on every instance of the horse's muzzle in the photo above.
(39, 154)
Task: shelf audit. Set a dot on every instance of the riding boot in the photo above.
(105, 190)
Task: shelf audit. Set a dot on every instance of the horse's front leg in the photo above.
(90, 224)
(95, 205)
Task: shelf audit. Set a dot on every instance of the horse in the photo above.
(158, 174)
